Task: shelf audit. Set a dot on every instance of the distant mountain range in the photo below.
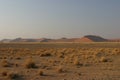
(87, 38)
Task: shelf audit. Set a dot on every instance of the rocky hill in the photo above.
(87, 38)
(91, 38)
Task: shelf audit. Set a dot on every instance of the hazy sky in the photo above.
(59, 18)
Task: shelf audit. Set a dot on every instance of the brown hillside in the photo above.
(87, 38)
(91, 38)
(63, 40)
(84, 39)
(114, 40)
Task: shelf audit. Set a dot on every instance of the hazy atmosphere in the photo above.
(59, 39)
(59, 18)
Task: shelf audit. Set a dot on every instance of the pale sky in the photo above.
(59, 18)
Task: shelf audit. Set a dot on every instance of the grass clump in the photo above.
(76, 62)
(40, 73)
(103, 59)
(5, 63)
(12, 75)
(29, 63)
(45, 54)
(60, 69)
(4, 73)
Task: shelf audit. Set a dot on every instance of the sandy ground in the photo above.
(59, 61)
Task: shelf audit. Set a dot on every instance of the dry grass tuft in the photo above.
(76, 62)
(18, 58)
(45, 54)
(60, 69)
(40, 72)
(12, 75)
(29, 63)
(103, 59)
(5, 63)
(4, 73)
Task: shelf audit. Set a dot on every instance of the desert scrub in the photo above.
(76, 61)
(12, 75)
(18, 58)
(66, 59)
(59, 69)
(46, 54)
(9, 75)
(103, 59)
(60, 55)
(5, 63)
(4, 73)
(40, 73)
(29, 63)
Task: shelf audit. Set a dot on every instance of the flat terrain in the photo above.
(60, 61)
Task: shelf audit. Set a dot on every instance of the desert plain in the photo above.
(60, 61)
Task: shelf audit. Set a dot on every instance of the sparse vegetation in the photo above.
(40, 72)
(5, 63)
(9, 75)
(76, 61)
(29, 63)
(59, 69)
(12, 75)
(45, 54)
(4, 73)
(103, 59)
(59, 61)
